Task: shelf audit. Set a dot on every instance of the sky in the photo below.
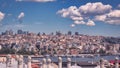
(91, 17)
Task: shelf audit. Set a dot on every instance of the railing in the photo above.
(47, 63)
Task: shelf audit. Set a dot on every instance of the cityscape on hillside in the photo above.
(25, 42)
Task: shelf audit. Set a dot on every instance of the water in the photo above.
(78, 58)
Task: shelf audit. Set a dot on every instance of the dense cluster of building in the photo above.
(58, 43)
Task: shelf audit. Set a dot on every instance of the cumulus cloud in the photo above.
(21, 16)
(37, 0)
(79, 22)
(72, 25)
(100, 17)
(119, 6)
(71, 11)
(91, 12)
(94, 8)
(114, 14)
(76, 18)
(112, 17)
(90, 23)
(2, 15)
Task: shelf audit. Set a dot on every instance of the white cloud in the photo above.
(76, 18)
(119, 6)
(64, 12)
(114, 14)
(91, 12)
(37, 0)
(112, 17)
(100, 17)
(20, 17)
(72, 25)
(71, 11)
(94, 8)
(113, 21)
(2, 15)
(79, 22)
(90, 23)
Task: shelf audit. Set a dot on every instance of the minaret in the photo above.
(101, 63)
(29, 62)
(44, 63)
(16, 59)
(49, 63)
(68, 63)
(8, 61)
(59, 62)
(116, 62)
(20, 62)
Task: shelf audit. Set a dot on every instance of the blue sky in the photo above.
(91, 17)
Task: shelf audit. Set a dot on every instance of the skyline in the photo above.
(61, 15)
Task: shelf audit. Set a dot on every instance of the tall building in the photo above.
(22, 32)
(7, 32)
(19, 32)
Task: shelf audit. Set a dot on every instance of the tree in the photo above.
(7, 51)
(101, 51)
